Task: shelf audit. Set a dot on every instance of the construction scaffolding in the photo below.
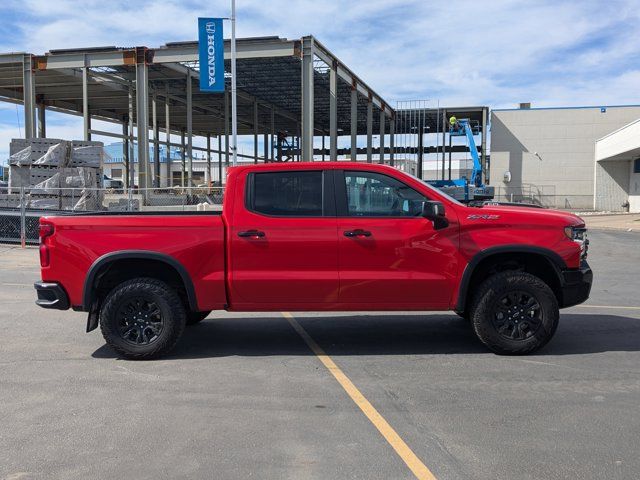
(423, 146)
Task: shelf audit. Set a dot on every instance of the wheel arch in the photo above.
(549, 270)
(101, 266)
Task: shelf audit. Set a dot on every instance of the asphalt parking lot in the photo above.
(243, 395)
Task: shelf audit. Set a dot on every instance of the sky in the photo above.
(496, 53)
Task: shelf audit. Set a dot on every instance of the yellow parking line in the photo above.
(608, 306)
(418, 468)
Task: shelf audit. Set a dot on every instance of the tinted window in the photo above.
(375, 195)
(297, 194)
(636, 165)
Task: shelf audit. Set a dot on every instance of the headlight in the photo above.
(578, 235)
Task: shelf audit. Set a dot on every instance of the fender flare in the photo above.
(88, 293)
(554, 259)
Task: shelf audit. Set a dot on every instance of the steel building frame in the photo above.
(294, 86)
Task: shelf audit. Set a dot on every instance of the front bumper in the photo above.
(51, 295)
(576, 285)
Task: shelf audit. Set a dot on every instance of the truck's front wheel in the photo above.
(514, 313)
(142, 318)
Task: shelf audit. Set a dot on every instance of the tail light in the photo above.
(45, 230)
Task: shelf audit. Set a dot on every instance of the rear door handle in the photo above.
(251, 234)
(357, 233)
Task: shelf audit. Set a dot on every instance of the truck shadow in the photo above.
(413, 334)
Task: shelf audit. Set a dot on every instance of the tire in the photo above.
(514, 313)
(196, 317)
(142, 318)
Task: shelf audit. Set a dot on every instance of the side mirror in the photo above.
(434, 211)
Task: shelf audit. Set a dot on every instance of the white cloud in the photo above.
(460, 52)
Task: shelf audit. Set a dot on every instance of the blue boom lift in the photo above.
(464, 189)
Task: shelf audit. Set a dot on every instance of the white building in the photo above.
(546, 156)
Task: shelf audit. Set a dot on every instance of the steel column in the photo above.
(219, 159)
(85, 104)
(167, 127)
(273, 132)
(156, 140)
(255, 131)
(142, 118)
(307, 98)
(392, 140)
(226, 128)
(483, 152)
(333, 112)
(369, 130)
(444, 128)
(189, 129)
(265, 146)
(132, 157)
(29, 96)
(125, 152)
(207, 177)
(354, 123)
(323, 135)
(42, 121)
(183, 154)
(382, 133)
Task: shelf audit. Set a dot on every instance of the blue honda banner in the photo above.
(211, 53)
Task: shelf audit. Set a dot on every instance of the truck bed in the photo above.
(194, 240)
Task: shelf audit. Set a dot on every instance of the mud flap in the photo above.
(92, 319)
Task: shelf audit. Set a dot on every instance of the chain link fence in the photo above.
(21, 208)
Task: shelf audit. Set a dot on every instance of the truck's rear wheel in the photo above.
(142, 318)
(514, 313)
(196, 317)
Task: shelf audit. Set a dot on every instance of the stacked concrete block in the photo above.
(46, 168)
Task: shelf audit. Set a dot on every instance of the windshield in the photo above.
(440, 192)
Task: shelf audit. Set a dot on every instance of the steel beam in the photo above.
(354, 123)
(307, 98)
(29, 96)
(244, 49)
(142, 120)
(189, 129)
(369, 130)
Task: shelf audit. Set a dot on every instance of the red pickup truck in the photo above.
(316, 237)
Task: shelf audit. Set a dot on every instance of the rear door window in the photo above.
(287, 194)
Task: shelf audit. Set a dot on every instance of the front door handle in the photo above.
(357, 233)
(251, 234)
